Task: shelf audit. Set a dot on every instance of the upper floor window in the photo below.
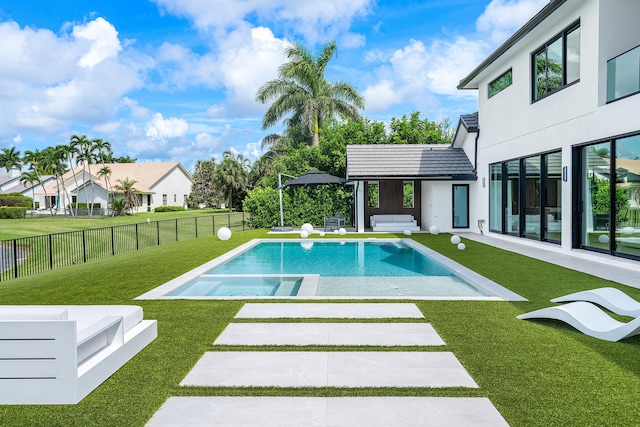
(623, 75)
(557, 63)
(501, 83)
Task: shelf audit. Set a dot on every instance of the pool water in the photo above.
(355, 268)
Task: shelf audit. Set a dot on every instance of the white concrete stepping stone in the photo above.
(328, 369)
(329, 310)
(328, 411)
(379, 334)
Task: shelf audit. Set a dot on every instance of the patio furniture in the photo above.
(588, 319)
(394, 223)
(334, 222)
(610, 298)
(59, 354)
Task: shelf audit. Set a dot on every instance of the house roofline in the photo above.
(521, 33)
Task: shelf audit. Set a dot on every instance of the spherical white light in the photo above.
(321, 234)
(603, 238)
(307, 227)
(461, 246)
(627, 230)
(455, 239)
(407, 232)
(342, 231)
(304, 234)
(224, 233)
(434, 229)
(335, 231)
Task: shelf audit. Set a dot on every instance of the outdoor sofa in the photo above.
(59, 354)
(394, 223)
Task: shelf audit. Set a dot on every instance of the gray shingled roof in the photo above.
(408, 161)
(470, 121)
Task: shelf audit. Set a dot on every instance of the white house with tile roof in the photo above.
(158, 184)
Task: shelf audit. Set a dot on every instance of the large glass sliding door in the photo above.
(610, 197)
(596, 193)
(627, 196)
(525, 197)
(532, 210)
(552, 195)
(512, 208)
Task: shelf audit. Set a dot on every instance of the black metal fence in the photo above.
(32, 255)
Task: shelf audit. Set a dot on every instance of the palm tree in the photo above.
(10, 158)
(86, 155)
(104, 152)
(105, 173)
(67, 153)
(231, 174)
(130, 193)
(31, 178)
(35, 159)
(302, 91)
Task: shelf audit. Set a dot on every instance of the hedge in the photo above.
(16, 200)
(169, 209)
(12, 212)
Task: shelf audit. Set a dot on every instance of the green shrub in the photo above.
(12, 212)
(16, 200)
(263, 206)
(169, 209)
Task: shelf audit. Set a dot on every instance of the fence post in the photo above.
(84, 247)
(15, 258)
(137, 244)
(229, 220)
(113, 243)
(213, 224)
(176, 229)
(158, 231)
(242, 221)
(196, 220)
(51, 251)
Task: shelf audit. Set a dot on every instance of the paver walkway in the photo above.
(350, 369)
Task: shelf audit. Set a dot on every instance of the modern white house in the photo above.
(555, 144)
(157, 183)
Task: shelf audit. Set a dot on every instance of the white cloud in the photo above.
(352, 40)
(501, 18)
(160, 128)
(206, 141)
(108, 127)
(17, 139)
(102, 38)
(314, 21)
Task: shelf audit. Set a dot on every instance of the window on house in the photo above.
(407, 194)
(175, 198)
(501, 83)
(557, 63)
(623, 75)
(374, 194)
(164, 200)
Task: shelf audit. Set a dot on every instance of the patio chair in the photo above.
(333, 222)
(610, 298)
(588, 319)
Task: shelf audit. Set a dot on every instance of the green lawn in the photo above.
(47, 224)
(535, 373)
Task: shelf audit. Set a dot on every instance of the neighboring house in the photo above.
(10, 183)
(158, 184)
(556, 134)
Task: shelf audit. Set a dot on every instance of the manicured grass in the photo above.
(47, 224)
(536, 373)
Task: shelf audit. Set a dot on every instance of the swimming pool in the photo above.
(328, 268)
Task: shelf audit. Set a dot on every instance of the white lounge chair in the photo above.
(59, 354)
(610, 298)
(588, 319)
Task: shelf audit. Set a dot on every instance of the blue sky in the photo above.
(176, 79)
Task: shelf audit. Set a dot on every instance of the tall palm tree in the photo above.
(31, 178)
(302, 91)
(231, 174)
(67, 154)
(87, 157)
(10, 158)
(35, 159)
(105, 173)
(104, 152)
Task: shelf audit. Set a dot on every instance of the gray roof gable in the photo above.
(408, 161)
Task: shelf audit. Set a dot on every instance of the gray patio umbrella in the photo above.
(313, 177)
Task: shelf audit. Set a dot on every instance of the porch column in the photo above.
(360, 206)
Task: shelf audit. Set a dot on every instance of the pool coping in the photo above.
(310, 281)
